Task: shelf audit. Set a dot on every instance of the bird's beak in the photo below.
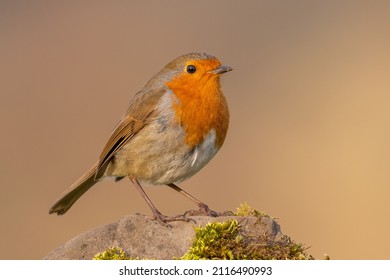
(221, 69)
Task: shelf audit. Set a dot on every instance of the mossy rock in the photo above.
(225, 241)
(232, 240)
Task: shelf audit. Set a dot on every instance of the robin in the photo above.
(173, 127)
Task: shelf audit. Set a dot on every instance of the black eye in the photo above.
(191, 69)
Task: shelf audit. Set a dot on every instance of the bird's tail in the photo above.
(74, 192)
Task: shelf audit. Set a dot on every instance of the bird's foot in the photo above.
(204, 210)
(166, 219)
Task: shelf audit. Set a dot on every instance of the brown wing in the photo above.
(138, 115)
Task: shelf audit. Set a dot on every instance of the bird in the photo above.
(172, 128)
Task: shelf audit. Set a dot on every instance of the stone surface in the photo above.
(141, 237)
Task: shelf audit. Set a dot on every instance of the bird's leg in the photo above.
(203, 208)
(156, 214)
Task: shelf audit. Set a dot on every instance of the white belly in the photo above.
(184, 168)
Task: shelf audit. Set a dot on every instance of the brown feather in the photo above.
(140, 112)
(74, 192)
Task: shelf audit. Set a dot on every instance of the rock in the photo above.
(143, 238)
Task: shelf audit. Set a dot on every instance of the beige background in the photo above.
(309, 140)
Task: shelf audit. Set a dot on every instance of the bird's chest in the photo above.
(204, 118)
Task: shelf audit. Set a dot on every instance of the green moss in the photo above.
(244, 210)
(222, 241)
(214, 241)
(113, 253)
(225, 241)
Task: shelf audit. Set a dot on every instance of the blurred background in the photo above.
(309, 100)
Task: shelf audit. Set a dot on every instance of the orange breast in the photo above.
(200, 107)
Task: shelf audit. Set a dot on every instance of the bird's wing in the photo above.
(139, 114)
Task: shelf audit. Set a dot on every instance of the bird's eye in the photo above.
(191, 69)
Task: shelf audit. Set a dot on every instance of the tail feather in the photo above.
(74, 192)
